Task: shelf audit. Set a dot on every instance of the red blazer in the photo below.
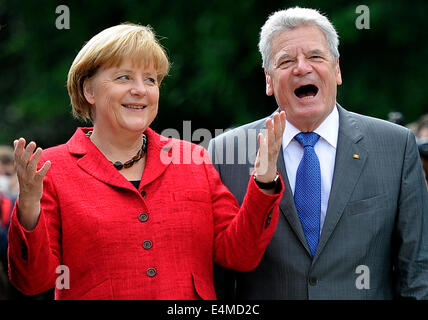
(157, 242)
(5, 209)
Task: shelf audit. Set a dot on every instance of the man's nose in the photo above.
(302, 67)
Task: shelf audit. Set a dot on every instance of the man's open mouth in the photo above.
(306, 91)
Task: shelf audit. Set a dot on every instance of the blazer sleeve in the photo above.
(412, 228)
(241, 235)
(34, 255)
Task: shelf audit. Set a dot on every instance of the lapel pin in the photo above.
(356, 156)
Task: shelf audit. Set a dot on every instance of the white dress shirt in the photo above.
(325, 149)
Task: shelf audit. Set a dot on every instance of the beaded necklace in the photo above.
(140, 154)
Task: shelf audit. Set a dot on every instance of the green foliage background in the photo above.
(216, 78)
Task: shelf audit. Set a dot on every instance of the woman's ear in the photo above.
(88, 91)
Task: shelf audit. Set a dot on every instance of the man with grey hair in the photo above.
(354, 215)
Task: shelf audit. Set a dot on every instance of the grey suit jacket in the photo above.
(374, 242)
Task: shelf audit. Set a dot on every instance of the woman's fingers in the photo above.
(43, 170)
(263, 146)
(34, 160)
(22, 153)
(269, 147)
(30, 180)
(270, 134)
(26, 161)
(264, 165)
(278, 127)
(28, 152)
(275, 130)
(19, 149)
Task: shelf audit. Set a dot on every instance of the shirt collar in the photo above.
(328, 130)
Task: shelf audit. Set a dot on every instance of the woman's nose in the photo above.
(138, 89)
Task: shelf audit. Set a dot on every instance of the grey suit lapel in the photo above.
(286, 204)
(346, 173)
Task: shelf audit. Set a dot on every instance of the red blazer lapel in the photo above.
(160, 153)
(93, 161)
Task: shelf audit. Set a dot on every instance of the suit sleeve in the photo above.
(412, 228)
(242, 234)
(34, 255)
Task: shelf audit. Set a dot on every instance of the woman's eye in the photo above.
(151, 80)
(124, 77)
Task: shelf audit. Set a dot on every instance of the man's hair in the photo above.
(109, 48)
(292, 18)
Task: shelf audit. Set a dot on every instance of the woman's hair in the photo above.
(107, 49)
(293, 18)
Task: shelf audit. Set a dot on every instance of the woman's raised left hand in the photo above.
(269, 148)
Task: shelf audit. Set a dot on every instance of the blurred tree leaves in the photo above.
(216, 79)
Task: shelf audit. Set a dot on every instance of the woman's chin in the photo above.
(137, 126)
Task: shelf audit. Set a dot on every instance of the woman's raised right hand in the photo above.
(30, 181)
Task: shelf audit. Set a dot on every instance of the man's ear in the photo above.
(269, 84)
(88, 91)
(338, 73)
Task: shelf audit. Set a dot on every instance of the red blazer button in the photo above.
(151, 272)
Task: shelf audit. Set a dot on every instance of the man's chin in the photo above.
(308, 117)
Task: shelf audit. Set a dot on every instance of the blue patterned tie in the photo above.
(307, 193)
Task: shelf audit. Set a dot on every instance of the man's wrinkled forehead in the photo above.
(307, 38)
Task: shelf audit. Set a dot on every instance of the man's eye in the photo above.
(284, 63)
(315, 58)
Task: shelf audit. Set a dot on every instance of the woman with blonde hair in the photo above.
(113, 211)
